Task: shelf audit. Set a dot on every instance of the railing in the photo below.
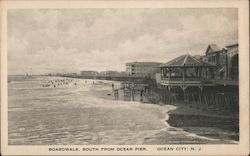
(187, 81)
(181, 79)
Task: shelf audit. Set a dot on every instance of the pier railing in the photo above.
(186, 81)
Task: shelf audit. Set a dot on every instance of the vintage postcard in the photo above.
(125, 77)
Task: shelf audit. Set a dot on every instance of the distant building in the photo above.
(141, 69)
(123, 73)
(112, 73)
(69, 74)
(88, 73)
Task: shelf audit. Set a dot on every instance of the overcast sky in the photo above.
(70, 40)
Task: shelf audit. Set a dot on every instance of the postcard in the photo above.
(125, 77)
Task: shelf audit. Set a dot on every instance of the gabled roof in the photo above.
(213, 47)
(185, 60)
(232, 49)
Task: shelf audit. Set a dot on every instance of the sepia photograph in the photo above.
(123, 76)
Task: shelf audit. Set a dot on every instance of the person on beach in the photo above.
(116, 94)
(141, 95)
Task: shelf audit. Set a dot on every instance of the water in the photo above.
(85, 113)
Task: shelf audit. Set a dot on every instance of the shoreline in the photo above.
(191, 120)
(184, 117)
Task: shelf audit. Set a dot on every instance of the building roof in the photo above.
(213, 48)
(232, 49)
(185, 60)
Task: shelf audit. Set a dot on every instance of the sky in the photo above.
(44, 41)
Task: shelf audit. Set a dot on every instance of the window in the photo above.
(213, 59)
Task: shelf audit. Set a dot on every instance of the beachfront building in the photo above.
(140, 69)
(232, 62)
(185, 75)
(209, 81)
(225, 59)
(226, 92)
(216, 56)
(186, 70)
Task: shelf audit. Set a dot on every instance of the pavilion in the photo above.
(186, 71)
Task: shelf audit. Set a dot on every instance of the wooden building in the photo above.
(197, 82)
(216, 56)
(225, 59)
(186, 72)
(232, 62)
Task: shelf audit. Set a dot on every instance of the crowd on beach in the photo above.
(58, 82)
(62, 82)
